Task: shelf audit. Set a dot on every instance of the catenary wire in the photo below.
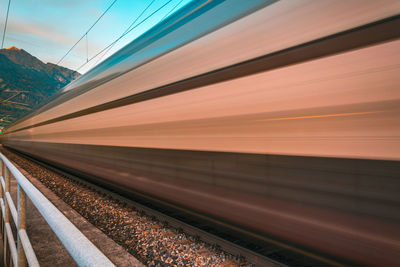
(135, 22)
(85, 34)
(119, 38)
(166, 15)
(140, 15)
(5, 25)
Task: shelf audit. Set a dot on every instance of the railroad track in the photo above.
(242, 250)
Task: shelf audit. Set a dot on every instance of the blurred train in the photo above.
(280, 118)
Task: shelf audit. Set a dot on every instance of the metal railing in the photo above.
(21, 253)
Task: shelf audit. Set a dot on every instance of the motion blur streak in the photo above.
(239, 115)
(280, 119)
(322, 116)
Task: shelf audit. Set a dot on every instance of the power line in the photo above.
(85, 34)
(144, 10)
(172, 9)
(134, 23)
(87, 48)
(5, 25)
(119, 38)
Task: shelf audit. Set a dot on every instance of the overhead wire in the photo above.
(127, 29)
(5, 25)
(166, 15)
(119, 38)
(85, 34)
(87, 48)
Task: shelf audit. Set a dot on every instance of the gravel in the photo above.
(150, 241)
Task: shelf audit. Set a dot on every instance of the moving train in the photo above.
(281, 118)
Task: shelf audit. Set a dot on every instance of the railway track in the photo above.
(209, 241)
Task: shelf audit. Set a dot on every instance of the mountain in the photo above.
(26, 82)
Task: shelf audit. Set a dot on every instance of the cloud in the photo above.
(36, 29)
(49, 28)
(49, 36)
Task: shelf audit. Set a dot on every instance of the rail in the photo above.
(21, 253)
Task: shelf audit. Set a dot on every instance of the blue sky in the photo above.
(48, 28)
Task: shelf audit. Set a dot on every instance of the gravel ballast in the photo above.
(150, 241)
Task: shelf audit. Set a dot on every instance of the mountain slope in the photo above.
(25, 82)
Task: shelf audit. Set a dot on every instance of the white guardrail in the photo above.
(21, 254)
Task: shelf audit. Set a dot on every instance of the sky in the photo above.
(47, 29)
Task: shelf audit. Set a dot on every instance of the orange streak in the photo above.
(322, 116)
